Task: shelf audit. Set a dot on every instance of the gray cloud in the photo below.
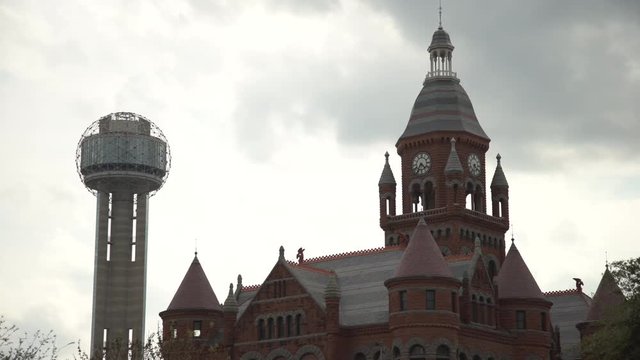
(541, 75)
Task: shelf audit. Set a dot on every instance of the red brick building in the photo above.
(441, 287)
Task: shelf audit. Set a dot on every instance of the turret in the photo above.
(523, 309)
(607, 299)
(194, 312)
(387, 192)
(423, 291)
(499, 192)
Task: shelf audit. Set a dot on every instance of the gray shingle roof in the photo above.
(453, 162)
(387, 175)
(569, 308)
(442, 105)
(498, 176)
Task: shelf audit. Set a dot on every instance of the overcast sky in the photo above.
(278, 114)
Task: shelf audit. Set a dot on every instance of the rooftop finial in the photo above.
(606, 260)
(440, 15)
(196, 251)
(386, 156)
(281, 253)
(498, 157)
(512, 238)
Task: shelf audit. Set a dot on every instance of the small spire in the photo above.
(499, 180)
(332, 290)
(606, 261)
(196, 249)
(281, 253)
(453, 162)
(387, 178)
(440, 15)
(230, 304)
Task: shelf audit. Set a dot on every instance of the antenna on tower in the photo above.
(440, 14)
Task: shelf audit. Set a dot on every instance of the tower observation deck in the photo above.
(123, 159)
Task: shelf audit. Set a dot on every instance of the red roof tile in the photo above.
(607, 296)
(515, 279)
(422, 257)
(195, 291)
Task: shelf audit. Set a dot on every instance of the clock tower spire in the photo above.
(442, 151)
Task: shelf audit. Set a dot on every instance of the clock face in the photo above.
(421, 163)
(474, 164)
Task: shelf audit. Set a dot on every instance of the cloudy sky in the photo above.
(279, 112)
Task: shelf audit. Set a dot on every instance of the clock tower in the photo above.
(442, 152)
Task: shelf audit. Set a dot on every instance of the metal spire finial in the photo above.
(440, 15)
(196, 245)
(606, 260)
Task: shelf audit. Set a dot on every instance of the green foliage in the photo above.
(618, 335)
(627, 274)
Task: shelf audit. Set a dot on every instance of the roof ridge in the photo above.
(304, 266)
(561, 292)
(350, 253)
(249, 288)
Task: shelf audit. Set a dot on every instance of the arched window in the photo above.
(261, 329)
(502, 207)
(474, 309)
(298, 324)
(477, 199)
(443, 353)
(289, 321)
(417, 353)
(280, 326)
(396, 353)
(270, 328)
(376, 356)
(481, 312)
(416, 197)
(429, 197)
(359, 356)
(468, 200)
(493, 270)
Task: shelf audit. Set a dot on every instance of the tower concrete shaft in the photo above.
(120, 270)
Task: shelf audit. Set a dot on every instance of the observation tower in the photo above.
(123, 159)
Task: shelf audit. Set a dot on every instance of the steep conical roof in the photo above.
(387, 174)
(422, 257)
(453, 163)
(607, 296)
(498, 176)
(515, 279)
(195, 292)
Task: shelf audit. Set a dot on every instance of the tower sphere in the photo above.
(123, 151)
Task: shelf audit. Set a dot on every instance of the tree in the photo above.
(618, 335)
(17, 345)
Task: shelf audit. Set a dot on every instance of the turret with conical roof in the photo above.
(423, 291)
(194, 312)
(522, 307)
(387, 192)
(607, 299)
(500, 192)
